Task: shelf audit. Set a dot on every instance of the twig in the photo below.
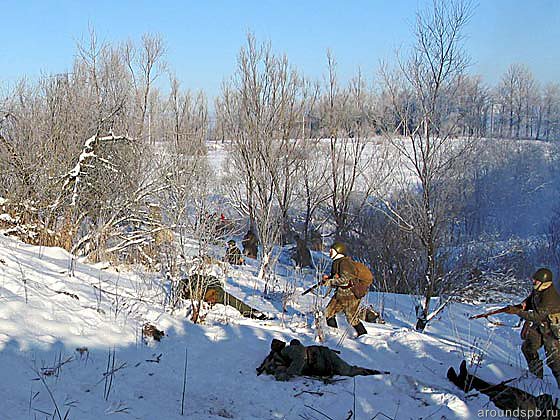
(309, 392)
(321, 413)
(184, 382)
(57, 411)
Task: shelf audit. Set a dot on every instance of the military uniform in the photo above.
(215, 293)
(541, 310)
(505, 397)
(301, 254)
(233, 255)
(344, 300)
(250, 244)
(315, 361)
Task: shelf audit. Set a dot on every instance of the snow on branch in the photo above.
(74, 176)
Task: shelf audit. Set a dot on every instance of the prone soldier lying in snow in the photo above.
(209, 289)
(519, 403)
(296, 359)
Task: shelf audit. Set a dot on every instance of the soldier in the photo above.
(344, 300)
(233, 253)
(505, 397)
(315, 361)
(211, 290)
(541, 312)
(250, 244)
(301, 254)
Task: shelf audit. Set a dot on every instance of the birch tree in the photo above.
(430, 77)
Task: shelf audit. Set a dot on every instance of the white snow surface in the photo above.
(41, 329)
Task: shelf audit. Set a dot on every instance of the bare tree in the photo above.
(429, 78)
(349, 128)
(261, 109)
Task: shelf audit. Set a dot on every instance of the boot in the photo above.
(331, 322)
(360, 329)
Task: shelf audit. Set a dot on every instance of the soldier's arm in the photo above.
(267, 362)
(533, 316)
(345, 275)
(297, 360)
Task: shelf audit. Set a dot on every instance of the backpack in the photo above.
(364, 278)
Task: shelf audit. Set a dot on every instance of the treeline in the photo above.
(111, 162)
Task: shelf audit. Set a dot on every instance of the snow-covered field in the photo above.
(102, 310)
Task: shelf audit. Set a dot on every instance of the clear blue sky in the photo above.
(204, 37)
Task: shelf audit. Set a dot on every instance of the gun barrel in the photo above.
(310, 289)
(487, 314)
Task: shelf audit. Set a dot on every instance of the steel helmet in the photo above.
(544, 275)
(339, 247)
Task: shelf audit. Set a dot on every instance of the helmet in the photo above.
(339, 247)
(277, 345)
(544, 275)
(231, 242)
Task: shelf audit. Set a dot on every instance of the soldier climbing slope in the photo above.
(342, 277)
(541, 312)
(285, 362)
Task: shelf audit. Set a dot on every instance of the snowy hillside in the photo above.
(71, 347)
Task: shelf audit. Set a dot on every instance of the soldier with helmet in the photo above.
(344, 300)
(541, 312)
(233, 253)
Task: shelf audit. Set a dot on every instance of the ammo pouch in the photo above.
(554, 323)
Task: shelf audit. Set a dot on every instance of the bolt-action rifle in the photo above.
(494, 312)
(320, 282)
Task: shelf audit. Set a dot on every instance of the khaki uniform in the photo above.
(215, 293)
(317, 361)
(542, 312)
(301, 254)
(233, 255)
(250, 244)
(343, 300)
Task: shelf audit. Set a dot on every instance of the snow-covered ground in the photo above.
(102, 309)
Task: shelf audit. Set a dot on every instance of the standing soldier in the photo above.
(541, 312)
(233, 254)
(342, 273)
(250, 244)
(301, 254)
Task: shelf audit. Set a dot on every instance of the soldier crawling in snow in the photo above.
(285, 362)
(209, 289)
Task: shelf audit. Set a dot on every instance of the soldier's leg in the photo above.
(241, 306)
(340, 367)
(530, 349)
(552, 350)
(330, 312)
(351, 307)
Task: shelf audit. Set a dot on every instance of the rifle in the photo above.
(311, 288)
(321, 282)
(494, 312)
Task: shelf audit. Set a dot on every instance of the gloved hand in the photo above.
(282, 376)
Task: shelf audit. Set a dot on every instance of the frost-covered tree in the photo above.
(422, 92)
(261, 110)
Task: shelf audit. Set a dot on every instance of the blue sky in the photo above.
(204, 37)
